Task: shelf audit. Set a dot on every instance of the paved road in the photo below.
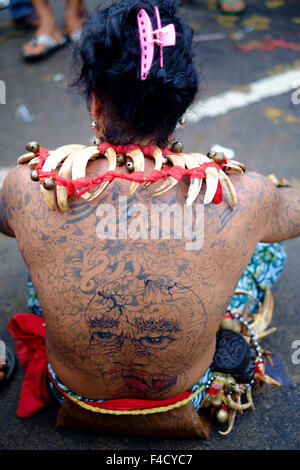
(264, 133)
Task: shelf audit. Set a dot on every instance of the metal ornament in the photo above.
(129, 165)
(222, 416)
(121, 159)
(219, 158)
(48, 184)
(33, 147)
(34, 175)
(96, 141)
(177, 147)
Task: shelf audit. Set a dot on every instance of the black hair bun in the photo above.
(110, 67)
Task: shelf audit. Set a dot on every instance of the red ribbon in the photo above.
(82, 185)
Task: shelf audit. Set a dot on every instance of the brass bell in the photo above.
(222, 416)
(48, 183)
(34, 175)
(230, 324)
(177, 147)
(32, 147)
(129, 165)
(219, 158)
(121, 159)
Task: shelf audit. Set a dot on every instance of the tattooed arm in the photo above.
(278, 211)
(5, 210)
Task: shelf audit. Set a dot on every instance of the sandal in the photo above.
(49, 42)
(10, 362)
(239, 7)
(4, 4)
(75, 37)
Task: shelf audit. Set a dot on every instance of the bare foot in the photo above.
(49, 28)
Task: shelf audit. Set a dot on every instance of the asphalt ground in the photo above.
(264, 136)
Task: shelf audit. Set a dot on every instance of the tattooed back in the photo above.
(132, 309)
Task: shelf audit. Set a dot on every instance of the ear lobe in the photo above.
(95, 105)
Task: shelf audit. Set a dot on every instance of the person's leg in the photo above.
(75, 14)
(263, 270)
(48, 26)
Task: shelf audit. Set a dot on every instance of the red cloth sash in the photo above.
(29, 331)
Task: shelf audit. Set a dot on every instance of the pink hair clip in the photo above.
(163, 37)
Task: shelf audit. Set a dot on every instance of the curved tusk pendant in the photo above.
(54, 159)
(138, 159)
(66, 172)
(80, 162)
(34, 161)
(159, 161)
(238, 164)
(25, 158)
(249, 398)
(232, 166)
(170, 182)
(266, 332)
(212, 177)
(200, 157)
(228, 187)
(263, 318)
(59, 155)
(237, 406)
(195, 183)
(211, 184)
(231, 419)
(268, 380)
(111, 156)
